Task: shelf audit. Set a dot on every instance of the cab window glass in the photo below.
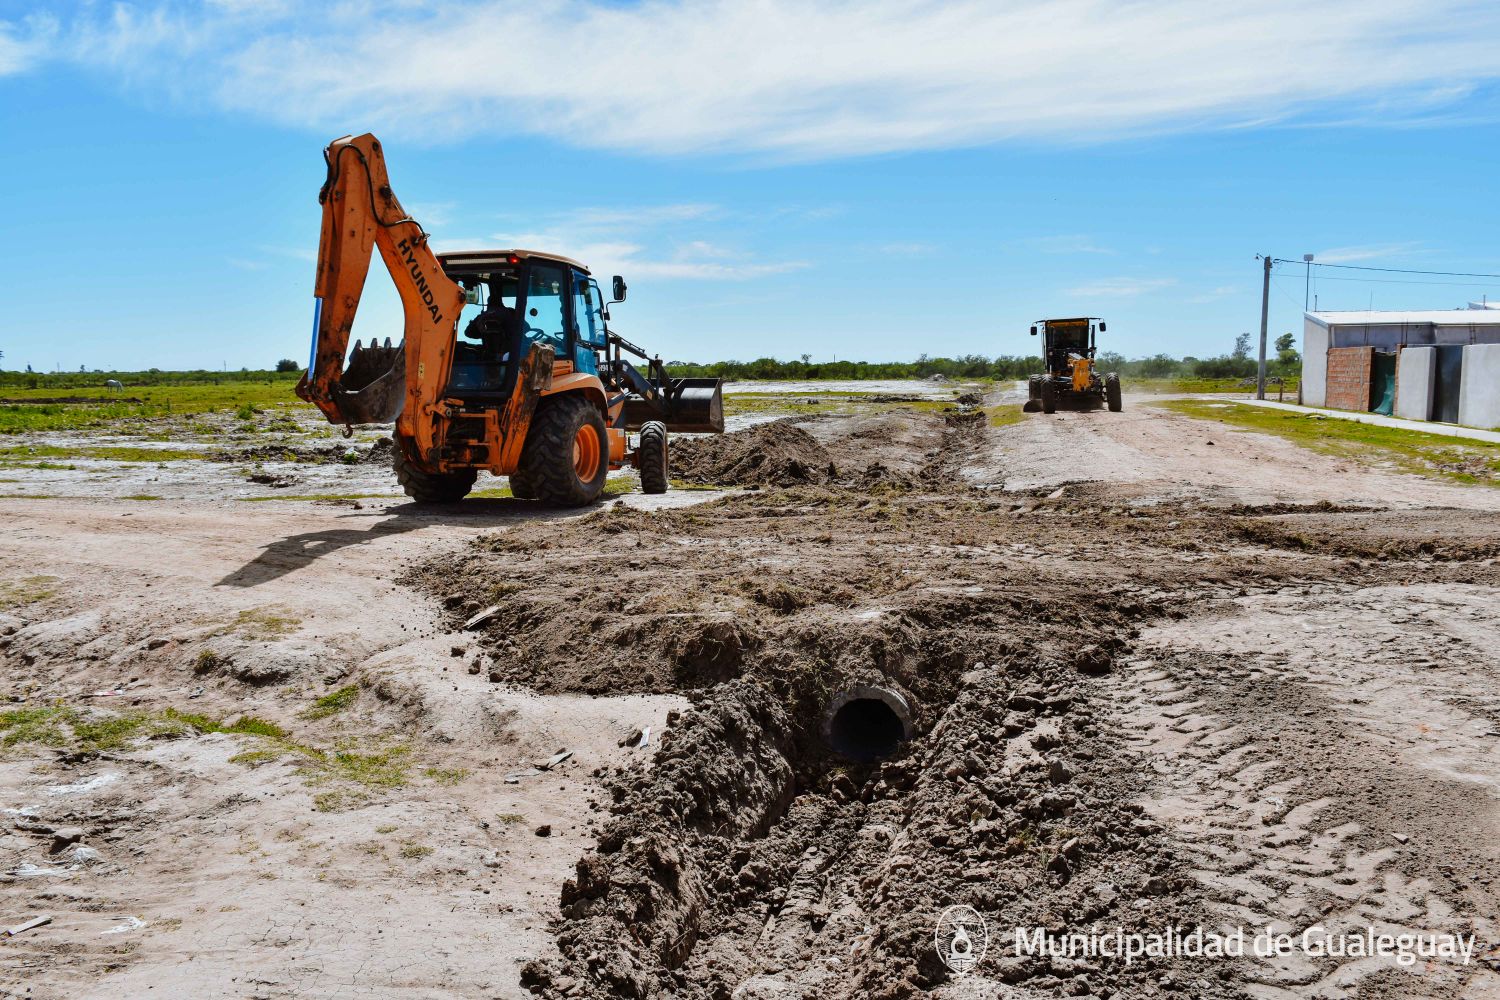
(587, 314)
(544, 306)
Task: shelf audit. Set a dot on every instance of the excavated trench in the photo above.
(900, 702)
(887, 718)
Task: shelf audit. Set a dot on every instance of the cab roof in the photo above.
(492, 258)
(1070, 319)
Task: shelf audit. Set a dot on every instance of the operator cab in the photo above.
(1065, 337)
(514, 299)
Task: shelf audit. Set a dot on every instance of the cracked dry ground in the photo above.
(1209, 688)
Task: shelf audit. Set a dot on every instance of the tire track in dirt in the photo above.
(1283, 749)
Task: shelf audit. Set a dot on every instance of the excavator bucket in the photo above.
(696, 406)
(687, 406)
(372, 389)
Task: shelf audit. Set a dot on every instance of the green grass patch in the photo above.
(42, 724)
(1206, 385)
(245, 725)
(447, 776)
(1432, 455)
(320, 496)
(1010, 413)
(141, 496)
(65, 727)
(154, 401)
(17, 453)
(333, 702)
(261, 623)
(27, 590)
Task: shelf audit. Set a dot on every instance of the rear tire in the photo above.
(566, 456)
(653, 457)
(1049, 397)
(520, 486)
(1112, 392)
(431, 487)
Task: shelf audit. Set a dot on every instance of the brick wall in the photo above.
(1349, 378)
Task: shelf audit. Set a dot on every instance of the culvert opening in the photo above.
(867, 725)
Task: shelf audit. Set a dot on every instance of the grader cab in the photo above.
(1070, 381)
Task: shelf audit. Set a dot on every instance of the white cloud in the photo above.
(1375, 251)
(1121, 287)
(1214, 294)
(800, 78)
(1068, 244)
(25, 43)
(641, 241)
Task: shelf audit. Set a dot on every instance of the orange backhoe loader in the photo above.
(508, 364)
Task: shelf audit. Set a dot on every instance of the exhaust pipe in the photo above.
(867, 722)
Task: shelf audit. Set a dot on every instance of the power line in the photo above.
(1398, 281)
(1389, 270)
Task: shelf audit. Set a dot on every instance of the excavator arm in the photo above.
(382, 383)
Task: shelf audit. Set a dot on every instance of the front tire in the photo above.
(653, 457)
(431, 487)
(1049, 397)
(566, 456)
(1112, 392)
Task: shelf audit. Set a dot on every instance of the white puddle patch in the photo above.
(130, 924)
(29, 870)
(87, 785)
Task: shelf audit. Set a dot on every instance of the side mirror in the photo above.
(471, 296)
(619, 289)
(1102, 327)
(1033, 331)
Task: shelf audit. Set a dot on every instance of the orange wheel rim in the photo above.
(586, 453)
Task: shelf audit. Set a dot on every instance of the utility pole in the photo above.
(1307, 258)
(1265, 306)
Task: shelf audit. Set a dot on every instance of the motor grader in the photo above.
(507, 365)
(1070, 381)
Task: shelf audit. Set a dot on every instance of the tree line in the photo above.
(1237, 363)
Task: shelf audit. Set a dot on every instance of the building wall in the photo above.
(1314, 363)
(1349, 378)
(1416, 377)
(1479, 387)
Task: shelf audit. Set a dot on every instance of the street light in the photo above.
(1307, 259)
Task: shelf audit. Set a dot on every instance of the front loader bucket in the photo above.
(373, 387)
(696, 406)
(687, 406)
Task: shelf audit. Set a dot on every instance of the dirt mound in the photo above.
(774, 454)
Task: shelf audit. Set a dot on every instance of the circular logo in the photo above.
(961, 938)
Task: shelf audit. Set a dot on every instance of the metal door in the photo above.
(1382, 382)
(1450, 366)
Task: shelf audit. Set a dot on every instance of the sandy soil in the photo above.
(1152, 679)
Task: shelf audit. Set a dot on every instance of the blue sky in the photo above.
(856, 180)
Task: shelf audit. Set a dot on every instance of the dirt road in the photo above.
(1158, 671)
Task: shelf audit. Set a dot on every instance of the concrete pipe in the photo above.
(867, 722)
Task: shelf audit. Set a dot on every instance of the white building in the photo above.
(1424, 365)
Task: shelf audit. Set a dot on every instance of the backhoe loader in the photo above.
(1071, 382)
(507, 364)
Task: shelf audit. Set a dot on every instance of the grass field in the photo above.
(17, 415)
(1164, 386)
(1463, 461)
